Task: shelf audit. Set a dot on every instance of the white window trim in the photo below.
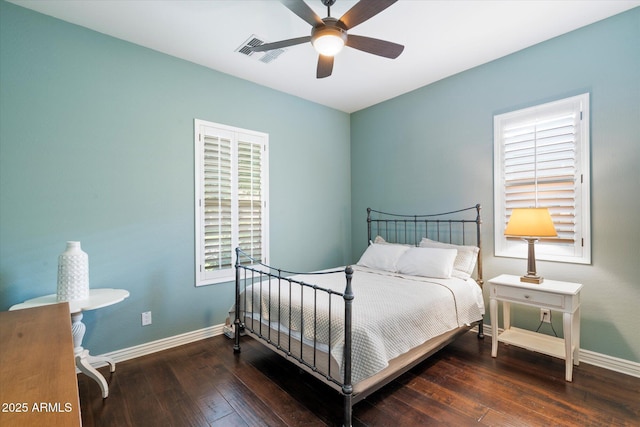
(226, 275)
(546, 250)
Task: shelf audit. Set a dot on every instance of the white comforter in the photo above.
(392, 313)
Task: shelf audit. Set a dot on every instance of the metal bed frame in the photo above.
(394, 228)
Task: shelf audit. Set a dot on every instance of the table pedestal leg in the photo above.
(83, 359)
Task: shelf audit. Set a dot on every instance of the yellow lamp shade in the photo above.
(530, 222)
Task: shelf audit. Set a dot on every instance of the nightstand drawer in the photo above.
(528, 296)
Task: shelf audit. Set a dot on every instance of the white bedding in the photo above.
(392, 313)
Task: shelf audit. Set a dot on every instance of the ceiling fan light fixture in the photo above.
(328, 40)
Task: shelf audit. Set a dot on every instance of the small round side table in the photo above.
(98, 298)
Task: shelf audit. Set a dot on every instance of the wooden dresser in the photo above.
(38, 383)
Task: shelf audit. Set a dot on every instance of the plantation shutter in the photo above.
(540, 162)
(540, 169)
(218, 245)
(250, 198)
(231, 199)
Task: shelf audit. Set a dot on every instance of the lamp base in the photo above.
(531, 276)
(532, 279)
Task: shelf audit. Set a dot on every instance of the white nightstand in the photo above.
(550, 294)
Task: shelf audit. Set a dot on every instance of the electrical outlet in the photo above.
(545, 315)
(146, 318)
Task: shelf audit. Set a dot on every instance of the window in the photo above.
(231, 193)
(541, 159)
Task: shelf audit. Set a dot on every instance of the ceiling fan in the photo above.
(329, 35)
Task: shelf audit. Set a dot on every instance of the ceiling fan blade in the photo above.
(325, 66)
(300, 8)
(280, 44)
(364, 10)
(375, 46)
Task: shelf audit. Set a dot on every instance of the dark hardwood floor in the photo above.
(205, 384)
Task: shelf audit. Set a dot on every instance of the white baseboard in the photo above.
(609, 362)
(597, 359)
(590, 357)
(163, 344)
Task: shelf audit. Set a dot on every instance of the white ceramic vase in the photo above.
(73, 273)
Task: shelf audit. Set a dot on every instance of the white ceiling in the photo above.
(441, 38)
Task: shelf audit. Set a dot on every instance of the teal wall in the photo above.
(435, 145)
(96, 145)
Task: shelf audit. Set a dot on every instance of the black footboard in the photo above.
(253, 277)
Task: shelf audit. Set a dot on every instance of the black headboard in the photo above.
(459, 227)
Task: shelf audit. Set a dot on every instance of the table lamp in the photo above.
(530, 224)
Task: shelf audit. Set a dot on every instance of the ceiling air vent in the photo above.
(266, 57)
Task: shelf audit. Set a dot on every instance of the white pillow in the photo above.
(465, 260)
(427, 262)
(382, 256)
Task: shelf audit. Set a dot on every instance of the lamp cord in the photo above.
(551, 324)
